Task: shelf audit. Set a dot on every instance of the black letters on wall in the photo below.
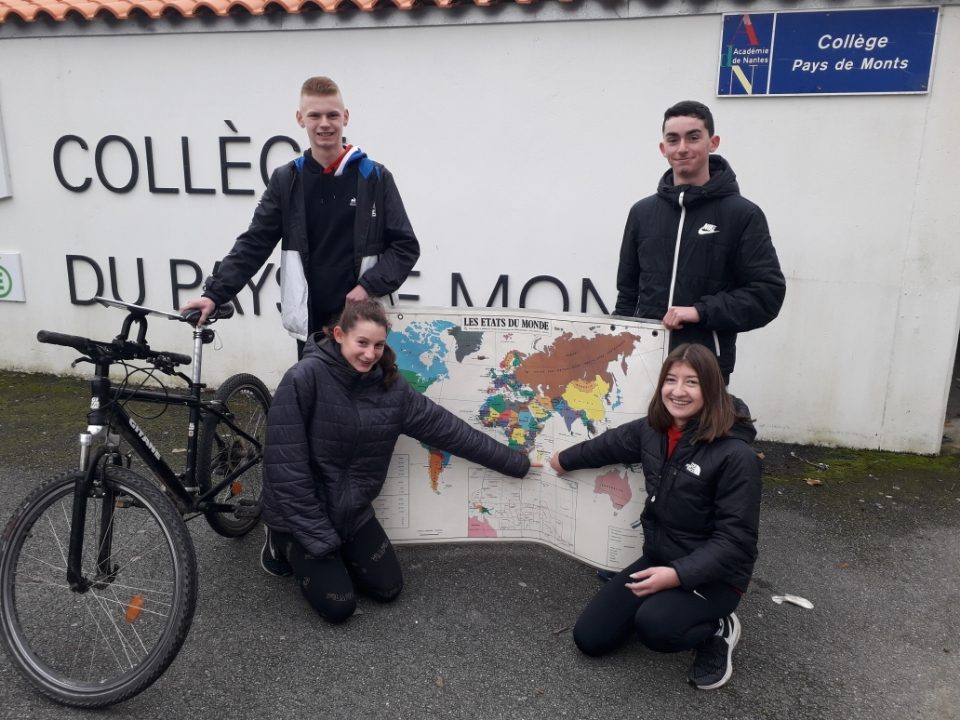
(233, 152)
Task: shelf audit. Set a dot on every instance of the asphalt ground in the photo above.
(483, 630)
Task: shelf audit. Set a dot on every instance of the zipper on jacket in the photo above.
(668, 478)
(676, 258)
(663, 464)
(658, 544)
(661, 487)
(351, 510)
(716, 342)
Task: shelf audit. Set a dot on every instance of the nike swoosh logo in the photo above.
(708, 229)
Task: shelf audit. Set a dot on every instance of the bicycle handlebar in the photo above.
(116, 350)
(120, 348)
(176, 358)
(81, 344)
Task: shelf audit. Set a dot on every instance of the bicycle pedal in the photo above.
(247, 511)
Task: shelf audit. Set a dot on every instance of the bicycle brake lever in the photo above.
(166, 368)
(81, 360)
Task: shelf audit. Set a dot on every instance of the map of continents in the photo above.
(570, 378)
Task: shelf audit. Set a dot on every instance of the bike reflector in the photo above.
(134, 608)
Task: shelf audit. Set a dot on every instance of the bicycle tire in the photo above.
(102, 646)
(221, 450)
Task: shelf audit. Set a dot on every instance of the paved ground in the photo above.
(482, 631)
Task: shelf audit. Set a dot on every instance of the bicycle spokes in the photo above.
(111, 639)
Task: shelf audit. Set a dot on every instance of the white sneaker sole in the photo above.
(731, 644)
(266, 542)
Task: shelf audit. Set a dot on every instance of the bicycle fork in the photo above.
(105, 573)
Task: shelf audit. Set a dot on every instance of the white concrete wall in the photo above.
(518, 149)
(5, 189)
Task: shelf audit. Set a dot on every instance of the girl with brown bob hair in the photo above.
(700, 520)
(718, 414)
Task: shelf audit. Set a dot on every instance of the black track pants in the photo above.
(667, 621)
(366, 564)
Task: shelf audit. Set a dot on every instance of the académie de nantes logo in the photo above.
(745, 54)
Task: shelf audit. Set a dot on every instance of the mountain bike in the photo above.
(98, 574)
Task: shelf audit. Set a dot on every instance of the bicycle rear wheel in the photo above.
(223, 452)
(104, 645)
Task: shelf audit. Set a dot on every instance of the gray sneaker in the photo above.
(271, 557)
(713, 661)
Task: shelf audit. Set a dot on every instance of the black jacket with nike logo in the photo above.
(727, 267)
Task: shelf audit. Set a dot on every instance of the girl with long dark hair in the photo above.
(331, 431)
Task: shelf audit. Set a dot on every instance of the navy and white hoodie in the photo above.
(385, 248)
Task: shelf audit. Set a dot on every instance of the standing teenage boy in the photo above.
(697, 255)
(344, 232)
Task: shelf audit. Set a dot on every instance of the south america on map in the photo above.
(538, 383)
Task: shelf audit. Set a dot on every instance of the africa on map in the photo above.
(537, 382)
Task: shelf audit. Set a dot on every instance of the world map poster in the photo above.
(538, 383)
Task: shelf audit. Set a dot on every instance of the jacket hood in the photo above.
(327, 351)
(743, 428)
(354, 155)
(722, 182)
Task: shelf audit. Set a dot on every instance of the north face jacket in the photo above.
(385, 248)
(727, 267)
(330, 435)
(702, 512)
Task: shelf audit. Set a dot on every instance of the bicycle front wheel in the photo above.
(104, 644)
(235, 453)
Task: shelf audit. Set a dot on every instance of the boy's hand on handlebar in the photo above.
(205, 305)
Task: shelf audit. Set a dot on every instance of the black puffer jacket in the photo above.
(330, 435)
(702, 513)
(727, 269)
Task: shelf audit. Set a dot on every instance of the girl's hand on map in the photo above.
(653, 580)
(555, 464)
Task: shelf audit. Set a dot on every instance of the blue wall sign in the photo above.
(839, 52)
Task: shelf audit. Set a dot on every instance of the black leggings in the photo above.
(366, 562)
(667, 621)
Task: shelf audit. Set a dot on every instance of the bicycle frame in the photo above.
(106, 413)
